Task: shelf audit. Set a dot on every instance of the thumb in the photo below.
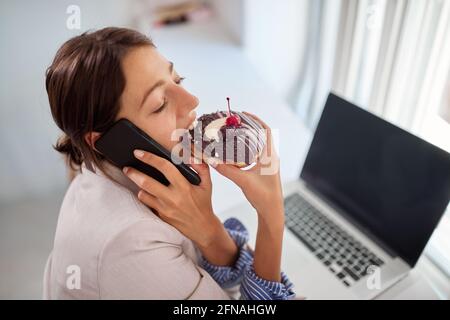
(203, 171)
(231, 172)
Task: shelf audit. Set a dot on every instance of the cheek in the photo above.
(165, 137)
(160, 129)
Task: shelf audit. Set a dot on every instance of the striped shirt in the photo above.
(252, 287)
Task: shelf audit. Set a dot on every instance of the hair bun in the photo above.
(72, 152)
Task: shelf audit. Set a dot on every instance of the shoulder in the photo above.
(94, 211)
(99, 195)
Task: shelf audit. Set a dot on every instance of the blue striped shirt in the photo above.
(252, 287)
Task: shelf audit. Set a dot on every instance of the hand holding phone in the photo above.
(118, 143)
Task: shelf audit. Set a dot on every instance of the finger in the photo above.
(150, 201)
(262, 123)
(203, 171)
(265, 126)
(231, 172)
(147, 183)
(167, 168)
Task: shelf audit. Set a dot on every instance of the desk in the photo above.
(216, 67)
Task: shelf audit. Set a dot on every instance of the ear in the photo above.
(91, 137)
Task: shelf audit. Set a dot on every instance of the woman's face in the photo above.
(153, 98)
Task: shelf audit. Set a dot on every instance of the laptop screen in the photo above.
(391, 183)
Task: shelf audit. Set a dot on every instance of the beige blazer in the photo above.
(108, 245)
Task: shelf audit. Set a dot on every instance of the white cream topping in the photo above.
(212, 129)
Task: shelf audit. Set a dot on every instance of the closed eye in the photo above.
(162, 107)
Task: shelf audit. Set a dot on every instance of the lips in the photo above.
(192, 125)
(188, 127)
(193, 121)
(190, 122)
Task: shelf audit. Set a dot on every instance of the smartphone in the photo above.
(118, 143)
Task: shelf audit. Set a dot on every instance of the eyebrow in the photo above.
(156, 85)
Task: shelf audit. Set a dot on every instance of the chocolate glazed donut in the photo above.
(239, 145)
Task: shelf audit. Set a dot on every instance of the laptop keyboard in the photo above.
(342, 254)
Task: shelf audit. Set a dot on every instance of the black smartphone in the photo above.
(118, 143)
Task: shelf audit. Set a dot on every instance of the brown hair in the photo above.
(84, 84)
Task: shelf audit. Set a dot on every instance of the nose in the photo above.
(187, 102)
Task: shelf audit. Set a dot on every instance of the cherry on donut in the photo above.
(232, 120)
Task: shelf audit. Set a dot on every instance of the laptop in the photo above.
(368, 199)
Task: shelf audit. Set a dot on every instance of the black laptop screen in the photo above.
(388, 181)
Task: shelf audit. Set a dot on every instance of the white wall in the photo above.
(31, 32)
(274, 40)
(231, 13)
(272, 34)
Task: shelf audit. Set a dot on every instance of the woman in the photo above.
(108, 243)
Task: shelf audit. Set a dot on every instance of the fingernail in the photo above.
(139, 153)
(125, 169)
